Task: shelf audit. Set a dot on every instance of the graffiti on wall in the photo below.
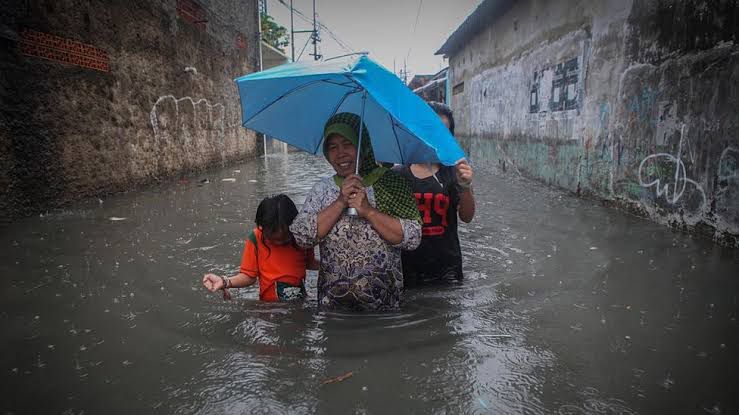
(667, 175)
(601, 131)
(641, 105)
(184, 117)
(727, 190)
(728, 165)
(655, 137)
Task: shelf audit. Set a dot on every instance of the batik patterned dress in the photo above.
(359, 270)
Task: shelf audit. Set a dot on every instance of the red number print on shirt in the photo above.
(424, 206)
(438, 204)
(441, 205)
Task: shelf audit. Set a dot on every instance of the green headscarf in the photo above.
(393, 195)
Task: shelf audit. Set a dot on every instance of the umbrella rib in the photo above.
(395, 133)
(406, 130)
(352, 80)
(297, 88)
(336, 108)
(347, 84)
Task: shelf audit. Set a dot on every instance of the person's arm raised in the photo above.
(327, 218)
(466, 207)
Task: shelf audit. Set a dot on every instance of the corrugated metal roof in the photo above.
(429, 85)
(478, 20)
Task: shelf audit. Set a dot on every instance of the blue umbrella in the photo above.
(292, 102)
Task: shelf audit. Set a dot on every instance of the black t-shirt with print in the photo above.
(439, 256)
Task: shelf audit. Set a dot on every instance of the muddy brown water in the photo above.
(568, 307)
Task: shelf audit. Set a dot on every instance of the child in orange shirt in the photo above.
(270, 256)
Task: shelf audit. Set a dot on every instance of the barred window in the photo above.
(458, 88)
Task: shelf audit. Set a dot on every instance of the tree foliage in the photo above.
(274, 34)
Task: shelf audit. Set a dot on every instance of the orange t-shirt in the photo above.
(272, 263)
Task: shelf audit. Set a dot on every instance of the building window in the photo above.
(570, 82)
(556, 95)
(556, 101)
(564, 86)
(534, 94)
(459, 88)
(571, 94)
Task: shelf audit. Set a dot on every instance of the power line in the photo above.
(338, 41)
(404, 71)
(342, 44)
(415, 26)
(298, 12)
(303, 50)
(313, 33)
(418, 14)
(333, 35)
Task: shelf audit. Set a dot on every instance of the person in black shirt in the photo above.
(442, 193)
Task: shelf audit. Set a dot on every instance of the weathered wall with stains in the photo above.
(99, 96)
(634, 102)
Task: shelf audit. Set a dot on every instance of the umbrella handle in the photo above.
(353, 211)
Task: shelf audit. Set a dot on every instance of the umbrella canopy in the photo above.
(292, 102)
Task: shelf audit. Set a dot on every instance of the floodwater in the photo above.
(568, 307)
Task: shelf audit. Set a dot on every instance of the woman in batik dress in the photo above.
(360, 265)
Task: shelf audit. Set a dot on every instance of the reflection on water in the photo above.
(567, 307)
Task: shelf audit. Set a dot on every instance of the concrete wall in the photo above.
(635, 102)
(96, 96)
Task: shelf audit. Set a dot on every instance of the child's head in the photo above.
(445, 113)
(274, 216)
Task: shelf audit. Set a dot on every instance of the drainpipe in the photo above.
(448, 88)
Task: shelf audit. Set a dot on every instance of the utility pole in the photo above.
(316, 56)
(313, 33)
(403, 73)
(292, 31)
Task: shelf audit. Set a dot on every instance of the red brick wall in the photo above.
(240, 41)
(192, 12)
(55, 48)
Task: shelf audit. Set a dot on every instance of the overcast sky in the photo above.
(385, 28)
